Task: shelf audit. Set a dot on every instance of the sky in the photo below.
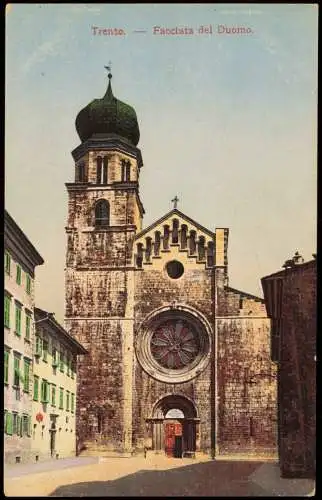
(228, 122)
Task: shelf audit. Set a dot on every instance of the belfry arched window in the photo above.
(99, 161)
(102, 213)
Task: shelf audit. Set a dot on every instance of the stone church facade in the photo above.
(178, 361)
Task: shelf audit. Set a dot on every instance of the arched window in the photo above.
(105, 170)
(175, 231)
(166, 234)
(192, 243)
(157, 243)
(148, 249)
(99, 161)
(210, 254)
(201, 248)
(183, 237)
(81, 173)
(102, 213)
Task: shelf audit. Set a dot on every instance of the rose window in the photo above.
(175, 344)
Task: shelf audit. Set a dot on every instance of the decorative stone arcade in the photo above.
(176, 435)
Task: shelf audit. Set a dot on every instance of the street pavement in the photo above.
(156, 475)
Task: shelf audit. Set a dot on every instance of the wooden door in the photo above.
(173, 434)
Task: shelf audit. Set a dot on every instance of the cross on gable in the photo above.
(175, 201)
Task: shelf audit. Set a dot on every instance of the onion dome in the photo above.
(108, 116)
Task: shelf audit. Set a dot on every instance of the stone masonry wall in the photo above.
(297, 372)
(154, 289)
(246, 380)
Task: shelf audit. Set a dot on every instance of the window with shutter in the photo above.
(61, 361)
(28, 284)
(36, 388)
(9, 424)
(53, 395)
(7, 304)
(26, 375)
(45, 350)
(18, 275)
(15, 421)
(28, 326)
(38, 349)
(44, 391)
(6, 367)
(18, 319)
(61, 398)
(7, 262)
(16, 371)
(29, 426)
(72, 404)
(67, 400)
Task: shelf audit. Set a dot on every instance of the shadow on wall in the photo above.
(207, 479)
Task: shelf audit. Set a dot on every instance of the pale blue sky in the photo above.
(228, 122)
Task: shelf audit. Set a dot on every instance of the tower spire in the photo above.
(109, 76)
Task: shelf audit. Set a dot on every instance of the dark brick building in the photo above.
(290, 297)
(178, 360)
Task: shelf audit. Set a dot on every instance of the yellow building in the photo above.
(54, 389)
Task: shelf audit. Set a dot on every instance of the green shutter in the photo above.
(7, 262)
(61, 398)
(53, 395)
(26, 376)
(18, 275)
(36, 388)
(18, 320)
(28, 323)
(72, 405)
(6, 367)
(28, 284)
(7, 303)
(9, 424)
(29, 426)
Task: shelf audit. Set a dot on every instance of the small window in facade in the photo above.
(15, 423)
(53, 395)
(81, 173)
(25, 425)
(102, 213)
(16, 370)
(61, 361)
(139, 256)
(18, 319)
(183, 239)
(45, 350)
(38, 350)
(18, 275)
(67, 400)
(157, 243)
(7, 304)
(210, 254)
(166, 233)
(7, 262)
(54, 357)
(72, 403)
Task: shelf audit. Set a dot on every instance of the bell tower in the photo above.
(104, 215)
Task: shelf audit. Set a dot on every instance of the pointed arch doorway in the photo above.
(174, 426)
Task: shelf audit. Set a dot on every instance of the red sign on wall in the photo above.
(39, 417)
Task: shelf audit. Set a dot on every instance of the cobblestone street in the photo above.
(153, 476)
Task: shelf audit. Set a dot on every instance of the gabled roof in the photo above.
(176, 212)
(46, 317)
